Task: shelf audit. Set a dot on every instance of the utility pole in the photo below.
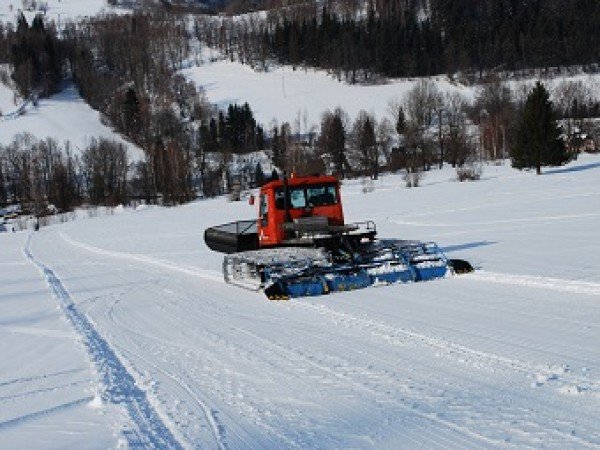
(440, 140)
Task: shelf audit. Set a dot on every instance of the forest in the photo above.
(415, 38)
(127, 67)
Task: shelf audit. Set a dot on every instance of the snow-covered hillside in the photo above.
(507, 356)
(300, 97)
(58, 10)
(64, 116)
(286, 95)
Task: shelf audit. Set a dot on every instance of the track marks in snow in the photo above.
(188, 270)
(496, 222)
(561, 376)
(459, 415)
(8, 398)
(376, 385)
(35, 331)
(216, 428)
(119, 386)
(36, 415)
(553, 284)
(468, 417)
(38, 377)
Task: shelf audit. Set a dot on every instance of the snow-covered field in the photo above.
(300, 97)
(297, 96)
(64, 116)
(120, 330)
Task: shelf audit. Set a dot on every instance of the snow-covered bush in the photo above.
(413, 179)
(469, 172)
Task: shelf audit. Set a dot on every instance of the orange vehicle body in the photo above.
(308, 196)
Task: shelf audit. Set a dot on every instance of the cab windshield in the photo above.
(307, 196)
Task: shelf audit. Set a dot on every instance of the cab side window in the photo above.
(321, 195)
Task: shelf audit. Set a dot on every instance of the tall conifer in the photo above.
(538, 138)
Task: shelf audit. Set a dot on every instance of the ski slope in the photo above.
(63, 116)
(122, 332)
(301, 96)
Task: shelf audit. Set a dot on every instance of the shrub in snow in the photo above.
(413, 179)
(469, 172)
(235, 195)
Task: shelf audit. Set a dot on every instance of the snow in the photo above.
(46, 381)
(298, 96)
(58, 10)
(63, 116)
(301, 96)
(120, 330)
(7, 98)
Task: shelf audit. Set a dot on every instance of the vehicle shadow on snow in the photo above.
(581, 168)
(466, 246)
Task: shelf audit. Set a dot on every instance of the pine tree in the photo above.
(259, 175)
(538, 138)
(276, 151)
(367, 144)
(337, 141)
(401, 122)
(131, 113)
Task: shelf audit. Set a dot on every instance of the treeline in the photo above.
(126, 68)
(406, 38)
(428, 128)
(425, 129)
(44, 176)
(37, 173)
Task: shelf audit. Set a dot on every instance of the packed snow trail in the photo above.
(228, 336)
(505, 357)
(119, 386)
(194, 271)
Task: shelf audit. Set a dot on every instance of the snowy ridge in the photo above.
(554, 284)
(118, 384)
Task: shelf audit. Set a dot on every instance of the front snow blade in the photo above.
(460, 266)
